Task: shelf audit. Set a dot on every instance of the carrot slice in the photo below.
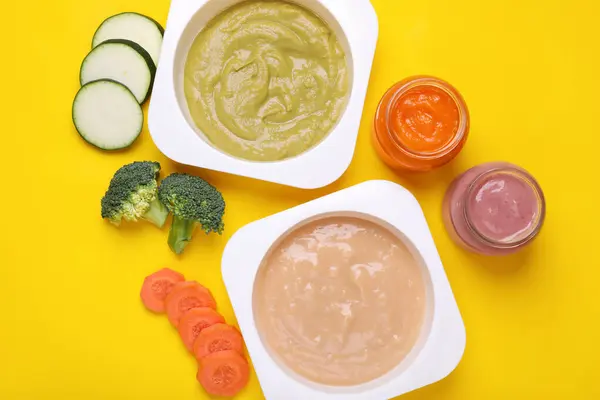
(218, 337)
(196, 320)
(184, 297)
(157, 286)
(224, 373)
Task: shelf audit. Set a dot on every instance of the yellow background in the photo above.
(71, 323)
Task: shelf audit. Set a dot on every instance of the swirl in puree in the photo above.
(266, 80)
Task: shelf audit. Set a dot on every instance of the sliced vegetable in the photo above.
(123, 61)
(107, 115)
(157, 286)
(132, 26)
(186, 296)
(218, 337)
(224, 373)
(195, 321)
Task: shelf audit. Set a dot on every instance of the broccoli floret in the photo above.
(133, 195)
(193, 201)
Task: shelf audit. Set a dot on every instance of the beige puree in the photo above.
(340, 301)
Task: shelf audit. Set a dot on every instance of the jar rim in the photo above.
(401, 88)
(537, 223)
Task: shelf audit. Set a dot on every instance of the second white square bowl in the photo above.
(442, 341)
(176, 135)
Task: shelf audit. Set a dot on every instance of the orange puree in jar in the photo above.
(425, 118)
(421, 123)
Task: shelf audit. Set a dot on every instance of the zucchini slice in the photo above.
(107, 115)
(123, 61)
(132, 26)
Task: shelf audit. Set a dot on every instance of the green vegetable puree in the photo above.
(266, 80)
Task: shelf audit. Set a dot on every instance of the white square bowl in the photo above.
(176, 135)
(442, 341)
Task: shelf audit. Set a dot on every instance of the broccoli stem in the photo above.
(181, 233)
(157, 214)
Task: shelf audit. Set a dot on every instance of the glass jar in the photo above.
(421, 123)
(494, 208)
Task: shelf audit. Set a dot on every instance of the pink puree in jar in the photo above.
(494, 208)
